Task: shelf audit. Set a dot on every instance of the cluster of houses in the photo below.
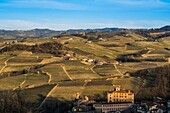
(92, 61)
(98, 62)
(119, 101)
(11, 42)
(70, 56)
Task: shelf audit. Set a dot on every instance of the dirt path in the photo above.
(48, 95)
(94, 71)
(84, 85)
(118, 70)
(5, 64)
(66, 72)
(145, 55)
(50, 76)
(22, 83)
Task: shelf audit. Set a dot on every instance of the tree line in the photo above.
(54, 48)
(158, 82)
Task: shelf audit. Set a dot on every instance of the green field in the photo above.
(35, 79)
(94, 50)
(56, 72)
(78, 70)
(34, 96)
(105, 70)
(11, 83)
(93, 89)
(67, 92)
(76, 76)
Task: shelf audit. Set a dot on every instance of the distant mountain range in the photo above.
(166, 28)
(12, 34)
(17, 34)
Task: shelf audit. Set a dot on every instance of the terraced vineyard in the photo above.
(43, 77)
(55, 72)
(78, 70)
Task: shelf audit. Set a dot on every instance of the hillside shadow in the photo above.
(53, 105)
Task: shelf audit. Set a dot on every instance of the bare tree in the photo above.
(12, 102)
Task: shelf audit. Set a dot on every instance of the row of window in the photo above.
(114, 109)
(117, 105)
(118, 96)
(119, 100)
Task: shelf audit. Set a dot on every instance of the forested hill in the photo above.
(157, 82)
(16, 34)
(37, 33)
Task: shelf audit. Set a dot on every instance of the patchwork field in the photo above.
(78, 70)
(11, 83)
(34, 96)
(55, 72)
(34, 80)
(92, 89)
(106, 70)
(91, 49)
(61, 79)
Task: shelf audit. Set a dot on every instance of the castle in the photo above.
(120, 95)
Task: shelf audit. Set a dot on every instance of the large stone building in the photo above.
(119, 100)
(112, 107)
(120, 95)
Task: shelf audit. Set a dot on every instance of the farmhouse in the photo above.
(82, 105)
(88, 60)
(70, 58)
(89, 42)
(101, 62)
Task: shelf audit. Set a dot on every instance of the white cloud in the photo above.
(139, 3)
(48, 4)
(26, 25)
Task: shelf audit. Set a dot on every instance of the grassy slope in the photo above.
(93, 49)
(56, 71)
(35, 96)
(35, 79)
(106, 69)
(10, 83)
(93, 89)
(78, 70)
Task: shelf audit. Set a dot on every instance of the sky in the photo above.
(83, 14)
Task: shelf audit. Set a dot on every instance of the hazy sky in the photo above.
(71, 14)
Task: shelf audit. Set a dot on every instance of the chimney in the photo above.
(129, 91)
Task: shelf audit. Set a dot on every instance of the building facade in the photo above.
(120, 95)
(112, 107)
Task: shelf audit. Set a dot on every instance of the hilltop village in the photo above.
(119, 101)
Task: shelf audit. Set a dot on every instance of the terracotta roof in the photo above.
(122, 91)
